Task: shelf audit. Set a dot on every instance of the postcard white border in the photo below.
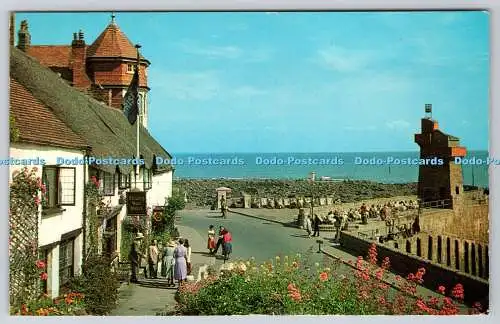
(493, 6)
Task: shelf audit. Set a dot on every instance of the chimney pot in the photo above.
(75, 36)
(80, 35)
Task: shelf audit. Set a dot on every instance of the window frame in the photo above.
(124, 184)
(105, 182)
(58, 187)
(71, 266)
(130, 68)
(147, 184)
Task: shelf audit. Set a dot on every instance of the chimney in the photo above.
(12, 29)
(24, 37)
(78, 61)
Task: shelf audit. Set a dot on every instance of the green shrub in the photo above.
(99, 284)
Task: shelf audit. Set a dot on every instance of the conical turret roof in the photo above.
(112, 43)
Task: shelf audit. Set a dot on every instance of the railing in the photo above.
(443, 203)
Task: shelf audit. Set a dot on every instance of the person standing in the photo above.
(308, 225)
(223, 206)
(180, 267)
(227, 247)
(135, 257)
(220, 241)
(316, 223)
(168, 263)
(153, 260)
(188, 256)
(211, 239)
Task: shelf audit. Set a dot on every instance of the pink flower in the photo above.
(441, 290)
(44, 276)
(40, 264)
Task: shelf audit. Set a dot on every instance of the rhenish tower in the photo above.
(439, 182)
(103, 69)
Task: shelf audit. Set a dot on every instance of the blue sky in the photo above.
(301, 82)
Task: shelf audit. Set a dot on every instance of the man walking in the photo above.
(135, 257)
(153, 260)
(220, 241)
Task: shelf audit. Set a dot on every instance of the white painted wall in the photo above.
(50, 228)
(161, 189)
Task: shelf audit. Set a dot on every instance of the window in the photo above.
(60, 184)
(123, 181)
(108, 183)
(146, 178)
(66, 261)
(130, 68)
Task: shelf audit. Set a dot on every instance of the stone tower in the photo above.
(439, 182)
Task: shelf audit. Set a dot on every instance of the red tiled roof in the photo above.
(112, 43)
(36, 123)
(51, 55)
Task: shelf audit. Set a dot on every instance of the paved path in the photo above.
(152, 296)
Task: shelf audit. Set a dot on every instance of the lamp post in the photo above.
(319, 245)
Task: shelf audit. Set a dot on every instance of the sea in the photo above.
(384, 167)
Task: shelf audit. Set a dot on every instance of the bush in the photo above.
(290, 287)
(99, 284)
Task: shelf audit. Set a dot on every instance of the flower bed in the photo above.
(289, 286)
(69, 304)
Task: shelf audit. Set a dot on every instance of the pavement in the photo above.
(152, 297)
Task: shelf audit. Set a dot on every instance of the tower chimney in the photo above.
(12, 28)
(80, 35)
(24, 37)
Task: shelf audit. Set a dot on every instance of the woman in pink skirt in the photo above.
(211, 238)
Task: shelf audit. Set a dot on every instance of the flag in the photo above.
(131, 100)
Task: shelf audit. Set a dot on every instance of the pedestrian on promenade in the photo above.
(180, 267)
(316, 223)
(220, 240)
(168, 263)
(308, 225)
(223, 206)
(211, 238)
(135, 256)
(188, 256)
(227, 247)
(153, 260)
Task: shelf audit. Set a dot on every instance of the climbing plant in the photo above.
(94, 202)
(26, 270)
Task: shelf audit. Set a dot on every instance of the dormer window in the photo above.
(130, 68)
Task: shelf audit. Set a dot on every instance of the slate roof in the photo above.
(36, 122)
(105, 129)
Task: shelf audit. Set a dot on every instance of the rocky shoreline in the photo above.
(201, 192)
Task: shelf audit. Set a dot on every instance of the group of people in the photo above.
(224, 240)
(172, 262)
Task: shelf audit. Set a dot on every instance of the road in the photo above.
(252, 237)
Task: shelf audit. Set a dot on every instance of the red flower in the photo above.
(44, 276)
(40, 264)
(441, 290)
(458, 291)
(323, 276)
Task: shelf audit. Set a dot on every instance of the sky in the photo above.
(301, 82)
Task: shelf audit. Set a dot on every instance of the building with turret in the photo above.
(103, 69)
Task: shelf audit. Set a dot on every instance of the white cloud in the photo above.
(226, 52)
(188, 85)
(398, 124)
(344, 60)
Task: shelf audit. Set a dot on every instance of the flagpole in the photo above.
(137, 46)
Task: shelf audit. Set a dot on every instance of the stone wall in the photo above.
(476, 289)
